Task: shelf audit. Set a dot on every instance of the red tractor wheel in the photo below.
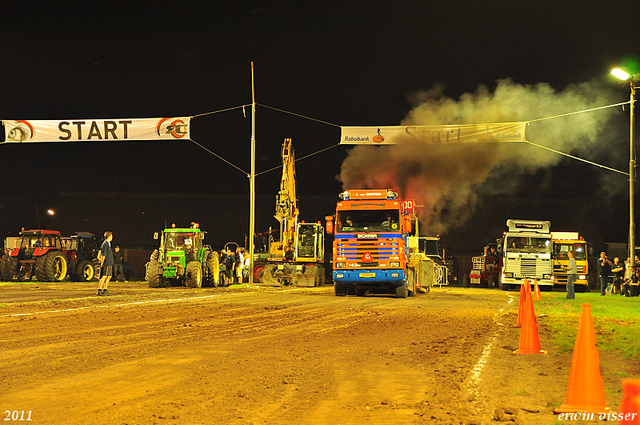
(257, 272)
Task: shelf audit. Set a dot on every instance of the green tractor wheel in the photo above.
(193, 277)
(213, 267)
(152, 274)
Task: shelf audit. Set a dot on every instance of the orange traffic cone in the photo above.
(537, 296)
(585, 392)
(630, 404)
(529, 337)
(523, 300)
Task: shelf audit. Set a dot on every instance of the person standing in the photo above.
(572, 274)
(229, 262)
(604, 270)
(617, 269)
(239, 265)
(106, 264)
(117, 264)
(246, 266)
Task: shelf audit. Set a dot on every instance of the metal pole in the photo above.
(632, 168)
(252, 214)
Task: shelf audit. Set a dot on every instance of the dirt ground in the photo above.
(263, 355)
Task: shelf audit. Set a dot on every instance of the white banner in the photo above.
(170, 128)
(439, 134)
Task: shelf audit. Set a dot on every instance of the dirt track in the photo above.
(271, 356)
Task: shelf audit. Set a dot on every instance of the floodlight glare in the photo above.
(617, 72)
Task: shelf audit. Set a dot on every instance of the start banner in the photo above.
(437, 134)
(85, 130)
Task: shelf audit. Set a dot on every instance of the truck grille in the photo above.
(528, 267)
(379, 249)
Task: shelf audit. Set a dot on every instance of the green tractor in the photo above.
(182, 260)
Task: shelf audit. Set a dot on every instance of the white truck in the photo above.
(527, 254)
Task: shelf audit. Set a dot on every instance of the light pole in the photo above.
(632, 161)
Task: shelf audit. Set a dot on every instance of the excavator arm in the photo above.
(287, 205)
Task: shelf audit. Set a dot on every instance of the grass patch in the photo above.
(615, 319)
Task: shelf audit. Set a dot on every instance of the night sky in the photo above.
(346, 63)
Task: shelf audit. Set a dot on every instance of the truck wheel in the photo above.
(360, 292)
(152, 274)
(340, 289)
(154, 255)
(213, 268)
(322, 275)
(84, 272)
(401, 291)
(491, 282)
(193, 276)
(465, 281)
(51, 267)
(8, 268)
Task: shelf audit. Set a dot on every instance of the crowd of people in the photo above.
(616, 277)
(236, 266)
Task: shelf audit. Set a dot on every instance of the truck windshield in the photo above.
(560, 250)
(528, 244)
(368, 221)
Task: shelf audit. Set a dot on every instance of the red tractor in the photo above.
(486, 267)
(39, 254)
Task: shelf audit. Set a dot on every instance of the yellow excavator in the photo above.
(298, 257)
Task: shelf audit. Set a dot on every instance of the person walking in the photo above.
(106, 264)
(572, 274)
(117, 264)
(604, 270)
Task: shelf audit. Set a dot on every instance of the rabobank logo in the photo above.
(509, 136)
(356, 139)
(378, 138)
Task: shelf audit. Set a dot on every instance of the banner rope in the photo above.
(299, 159)
(219, 157)
(221, 110)
(580, 112)
(576, 158)
(298, 115)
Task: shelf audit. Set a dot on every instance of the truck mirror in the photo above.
(155, 235)
(201, 236)
(329, 219)
(407, 224)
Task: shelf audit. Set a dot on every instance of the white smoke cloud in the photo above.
(447, 179)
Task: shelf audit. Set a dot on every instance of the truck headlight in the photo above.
(340, 265)
(394, 264)
(395, 274)
(582, 277)
(547, 276)
(339, 275)
(508, 274)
